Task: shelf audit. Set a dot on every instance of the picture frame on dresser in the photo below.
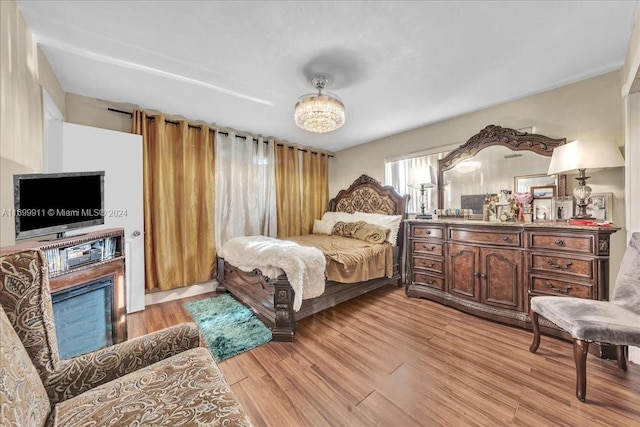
(524, 183)
(542, 209)
(600, 206)
(543, 191)
(562, 208)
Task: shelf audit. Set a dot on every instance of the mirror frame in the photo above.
(492, 136)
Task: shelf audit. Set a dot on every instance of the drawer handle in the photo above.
(430, 265)
(428, 248)
(559, 266)
(505, 238)
(564, 290)
(427, 232)
(560, 243)
(431, 282)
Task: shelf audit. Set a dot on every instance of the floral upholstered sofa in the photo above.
(163, 378)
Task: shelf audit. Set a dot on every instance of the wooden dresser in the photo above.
(492, 269)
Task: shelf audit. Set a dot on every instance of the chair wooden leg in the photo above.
(621, 357)
(536, 331)
(580, 350)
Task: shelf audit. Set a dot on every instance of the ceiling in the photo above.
(396, 65)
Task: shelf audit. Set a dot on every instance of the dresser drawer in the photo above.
(559, 242)
(428, 280)
(421, 247)
(423, 231)
(583, 268)
(492, 237)
(428, 264)
(546, 286)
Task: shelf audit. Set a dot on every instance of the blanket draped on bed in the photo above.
(304, 266)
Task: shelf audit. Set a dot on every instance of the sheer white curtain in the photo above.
(398, 173)
(245, 187)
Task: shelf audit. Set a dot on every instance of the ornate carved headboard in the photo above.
(368, 195)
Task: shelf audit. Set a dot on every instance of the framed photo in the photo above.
(542, 209)
(543, 192)
(562, 208)
(523, 184)
(600, 206)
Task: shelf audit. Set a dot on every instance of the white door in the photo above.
(119, 154)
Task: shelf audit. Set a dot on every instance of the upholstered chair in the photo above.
(163, 378)
(615, 322)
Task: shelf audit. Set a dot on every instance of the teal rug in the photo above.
(227, 327)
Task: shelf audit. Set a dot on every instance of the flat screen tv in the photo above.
(57, 202)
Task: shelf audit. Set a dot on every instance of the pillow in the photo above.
(323, 226)
(371, 233)
(392, 222)
(338, 216)
(346, 229)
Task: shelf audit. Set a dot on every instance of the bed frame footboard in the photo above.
(272, 299)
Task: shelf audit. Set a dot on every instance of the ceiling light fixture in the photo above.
(321, 112)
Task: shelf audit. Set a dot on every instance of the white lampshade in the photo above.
(571, 157)
(423, 177)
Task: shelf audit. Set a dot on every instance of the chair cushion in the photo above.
(184, 390)
(23, 399)
(590, 320)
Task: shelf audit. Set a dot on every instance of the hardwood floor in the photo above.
(388, 360)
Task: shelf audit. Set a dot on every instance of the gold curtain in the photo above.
(179, 201)
(288, 204)
(315, 193)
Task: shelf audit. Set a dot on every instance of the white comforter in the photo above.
(304, 266)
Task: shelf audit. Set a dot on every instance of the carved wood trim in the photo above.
(494, 135)
(386, 192)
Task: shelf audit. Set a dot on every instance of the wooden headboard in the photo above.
(368, 195)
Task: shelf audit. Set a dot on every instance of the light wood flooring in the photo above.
(384, 359)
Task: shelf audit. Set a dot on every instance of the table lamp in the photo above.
(421, 179)
(578, 156)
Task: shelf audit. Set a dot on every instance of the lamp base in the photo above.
(582, 216)
(424, 216)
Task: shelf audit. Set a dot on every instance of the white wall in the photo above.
(24, 70)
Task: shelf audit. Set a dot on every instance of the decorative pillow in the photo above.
(346, 229)
(371, 233)
(392, 222)
(323, 226)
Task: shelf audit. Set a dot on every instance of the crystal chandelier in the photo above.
(321, 112)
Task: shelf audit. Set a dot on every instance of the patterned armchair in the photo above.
(162, 378)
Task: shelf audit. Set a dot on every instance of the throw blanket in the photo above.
(304, 266)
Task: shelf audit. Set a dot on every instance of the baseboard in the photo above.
(634, 355)
(187, 291)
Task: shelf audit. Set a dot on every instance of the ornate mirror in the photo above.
(493, 160)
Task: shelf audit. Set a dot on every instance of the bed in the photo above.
(272, 299)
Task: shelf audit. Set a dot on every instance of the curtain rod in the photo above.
(223, 133)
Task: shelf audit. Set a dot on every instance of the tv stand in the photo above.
(81, 260)
(62, 235)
